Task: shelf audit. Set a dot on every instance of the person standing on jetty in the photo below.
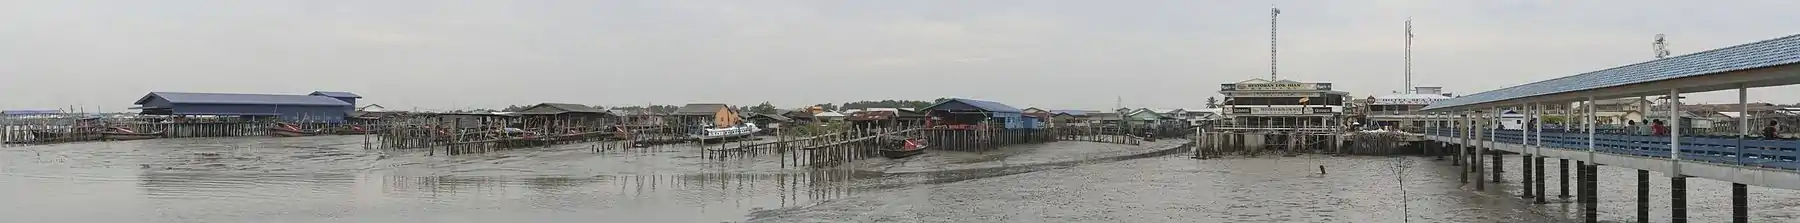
(1657, 128)
(1771, 131)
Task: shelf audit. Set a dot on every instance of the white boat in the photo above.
(725, 125)
(733, 132)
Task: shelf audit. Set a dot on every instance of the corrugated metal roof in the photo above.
(30, 112)
(559, 108)
(699, 109)
(336, 94)
(984, 105)
(1766, 53)
(1071, 112)
(242, 99)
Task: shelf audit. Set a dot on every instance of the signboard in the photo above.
(1279, 110)
(1252, 94)
(1406, 101)
(1276, 87)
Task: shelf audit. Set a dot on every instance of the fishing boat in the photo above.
(283, 129)
(122, 133)
(909, 147)
(726, 126)
(350, 130)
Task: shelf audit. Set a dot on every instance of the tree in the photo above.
(764, 108)
(827, 106)
(1212, 102)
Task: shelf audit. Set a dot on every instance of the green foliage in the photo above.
(828, 106)
(813, 129)
(764, 108)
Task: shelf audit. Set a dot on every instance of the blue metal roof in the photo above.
(247, 99)
(983, 105)
(1761, 54)
(30, 112)
(336, 94)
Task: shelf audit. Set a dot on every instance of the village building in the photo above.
(1401, 111)
(702, 113)
(564, 116)
(964, 113)
(1281, 104)
(316, 107)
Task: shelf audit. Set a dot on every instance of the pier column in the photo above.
(1539, 167)
(1643, 195)
(1498, 164)
(1678, 199)
(1563, 165)
(1590, 191)
(1480, 148)
(1525, 176)
(1740, 199)
(1462, 150)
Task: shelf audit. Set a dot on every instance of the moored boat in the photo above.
(122, 133)
(351, 130)
(909, 147)
(283, 129)
(725, 126)
(739, 131)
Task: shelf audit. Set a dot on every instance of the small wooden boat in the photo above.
(908, 147)
(351, 130)
(122, 133)
(283, 129)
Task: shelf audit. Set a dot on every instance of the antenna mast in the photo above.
(1662, 48)
(1273, 12)
(1409, 37)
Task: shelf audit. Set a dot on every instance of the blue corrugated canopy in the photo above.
(241, 99)
(1761, 54)
(980, 104)
(30, 112)
(336, 94)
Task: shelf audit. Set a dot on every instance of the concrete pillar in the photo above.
(1677, 199)
(1740, 199)
(1643, 195)
(1592, 205)
(1462, 150)
(1481, 141)
(1499, 162)
(1563, 165)
(1539, 187)
(1525, 176)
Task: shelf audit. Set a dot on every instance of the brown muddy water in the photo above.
(332, 179)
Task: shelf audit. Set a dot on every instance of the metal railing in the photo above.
(1748, 151)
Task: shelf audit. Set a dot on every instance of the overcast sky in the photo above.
(1054, 54)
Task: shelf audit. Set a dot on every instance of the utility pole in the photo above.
(1409, 37)
(1273, 12)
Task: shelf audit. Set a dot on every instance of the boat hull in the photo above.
(896, 154)
(723, 138)
(289, 133)
(120, 136)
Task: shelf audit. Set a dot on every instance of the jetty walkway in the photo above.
(1470, 126)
